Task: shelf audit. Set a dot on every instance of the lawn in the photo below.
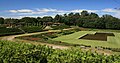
(112, 41)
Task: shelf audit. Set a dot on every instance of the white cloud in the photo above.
(35, 16)
(115, 12)
(117, 15)
(110, 10)
(21, 11)
(25, 11)
(52, 12)
(45, 10)
(12, 11)
(80, 10)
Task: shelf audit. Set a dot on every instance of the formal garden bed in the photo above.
(47, 38)
(97, 36)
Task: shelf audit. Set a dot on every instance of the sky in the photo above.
(40, 8)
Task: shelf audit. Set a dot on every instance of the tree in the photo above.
(71, 19)
(111, 22)
(29, 20)
(79, 22)
(65, 19)
(58, 18)
(94, 15)
(8, 21)
(1, 20)
(100, 23)
(47, 19)
(84, 13)
(39, 19)
(77, 19)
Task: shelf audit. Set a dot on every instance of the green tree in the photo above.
(94, 15)
(47, 19)
(1, 20)
(58, 18)
(29, 20)
(84, 13)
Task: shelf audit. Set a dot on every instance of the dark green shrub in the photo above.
(30, 29)
(60, 27)
(9, 31)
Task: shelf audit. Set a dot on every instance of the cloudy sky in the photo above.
(35, 8)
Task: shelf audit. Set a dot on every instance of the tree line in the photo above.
(83, 19)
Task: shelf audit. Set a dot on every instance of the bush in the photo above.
(9, 31)
(13, 52)
(30, 29)
(60, 27)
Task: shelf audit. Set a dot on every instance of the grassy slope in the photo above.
(73, 38)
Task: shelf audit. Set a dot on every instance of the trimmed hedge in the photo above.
(31, 29)
(9, 31)
(60, 27)
(14, 31)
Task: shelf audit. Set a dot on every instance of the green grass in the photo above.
(113, 42)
